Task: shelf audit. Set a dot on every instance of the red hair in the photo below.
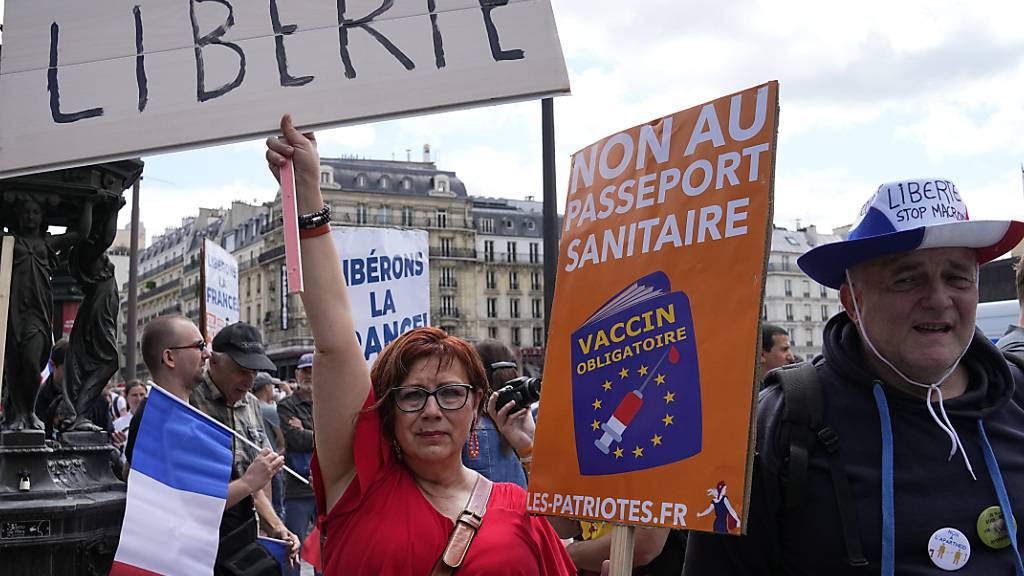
(393, 364)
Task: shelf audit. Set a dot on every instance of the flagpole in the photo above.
(234, 432)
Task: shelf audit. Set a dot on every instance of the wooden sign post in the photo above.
(6, 267)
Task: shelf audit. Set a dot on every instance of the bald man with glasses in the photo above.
(175, 354)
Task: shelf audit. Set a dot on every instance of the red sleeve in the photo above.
(372, 455)
(554, 559)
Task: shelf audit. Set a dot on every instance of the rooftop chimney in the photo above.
(426, 152)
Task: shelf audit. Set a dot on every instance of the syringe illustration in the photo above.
(629, 406)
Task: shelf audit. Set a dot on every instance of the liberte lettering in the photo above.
(208, 36)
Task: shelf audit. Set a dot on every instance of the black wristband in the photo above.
(315, 219)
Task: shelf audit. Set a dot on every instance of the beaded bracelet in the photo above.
(316, 219)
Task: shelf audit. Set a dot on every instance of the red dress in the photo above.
(383, 525)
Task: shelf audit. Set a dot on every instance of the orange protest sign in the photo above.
(649, 377)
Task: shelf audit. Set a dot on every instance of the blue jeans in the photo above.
(299, 518)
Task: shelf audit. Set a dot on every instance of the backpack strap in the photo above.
(1015, 360)
(802, 418)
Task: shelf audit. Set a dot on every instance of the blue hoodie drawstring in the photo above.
(888, 564)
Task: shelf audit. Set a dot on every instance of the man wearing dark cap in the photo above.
(225, 395)
(296, 415)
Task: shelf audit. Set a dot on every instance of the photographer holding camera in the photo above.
(501, 445)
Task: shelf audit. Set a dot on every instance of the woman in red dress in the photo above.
(387, 468)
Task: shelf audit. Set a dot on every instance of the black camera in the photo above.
(523, 390)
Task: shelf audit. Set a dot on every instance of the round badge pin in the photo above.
(949, 549)
(992, 528)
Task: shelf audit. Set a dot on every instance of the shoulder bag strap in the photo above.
(465, 528)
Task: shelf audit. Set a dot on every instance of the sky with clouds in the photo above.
(870, 92)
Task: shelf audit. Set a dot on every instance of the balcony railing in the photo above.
(462, 253)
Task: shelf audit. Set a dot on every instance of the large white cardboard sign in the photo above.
(83, 82)
(387, 272)
(222, 307)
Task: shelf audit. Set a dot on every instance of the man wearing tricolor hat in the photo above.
(916, 463)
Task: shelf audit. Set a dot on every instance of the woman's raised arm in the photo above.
(341, 379)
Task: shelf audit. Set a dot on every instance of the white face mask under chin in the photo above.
(944, 423)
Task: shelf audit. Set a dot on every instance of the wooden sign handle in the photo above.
(623, 538)
(292, 252)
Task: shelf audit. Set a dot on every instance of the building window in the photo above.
(361, 181)
(513, 280)
(488, 250)
(487, 225)
(824, 292)
(515, 336)
(788, 287)
(531, 225)
(824, 312)
(492, 282)
(537, 307)
(807, 288)
(785, 263)
(534, 252)
(508, 223)
(446, 246)
(810, 337)
(406, 184)
(535, 281)
(406, 216)
(492, 307)
(513, 307)
(325, 176)
(384, 182)
(448, 306)
(492, 332)
(361, 213)
(511, 254)
(248, 286)
(538, 336)
(382, 214)
(448, 278)
(807, 312)
(259, 282)
(789, 311)
(442, 219)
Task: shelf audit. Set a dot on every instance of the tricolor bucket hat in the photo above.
(910, 215)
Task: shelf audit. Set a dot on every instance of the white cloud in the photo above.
(162, 205)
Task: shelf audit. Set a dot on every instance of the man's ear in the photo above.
(846, 298)
(168, 358)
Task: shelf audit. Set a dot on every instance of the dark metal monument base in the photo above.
(60, 504)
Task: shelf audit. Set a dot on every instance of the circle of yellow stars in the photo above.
(668, 420)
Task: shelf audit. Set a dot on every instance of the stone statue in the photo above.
(92, 348)
(30, 316)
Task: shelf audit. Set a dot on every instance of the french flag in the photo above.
(177, 489)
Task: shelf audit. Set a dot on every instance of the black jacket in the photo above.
(931, 492)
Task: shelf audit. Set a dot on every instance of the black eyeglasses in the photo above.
(414, 398)
(198, 345)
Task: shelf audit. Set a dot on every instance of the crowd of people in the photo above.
(413, 468)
